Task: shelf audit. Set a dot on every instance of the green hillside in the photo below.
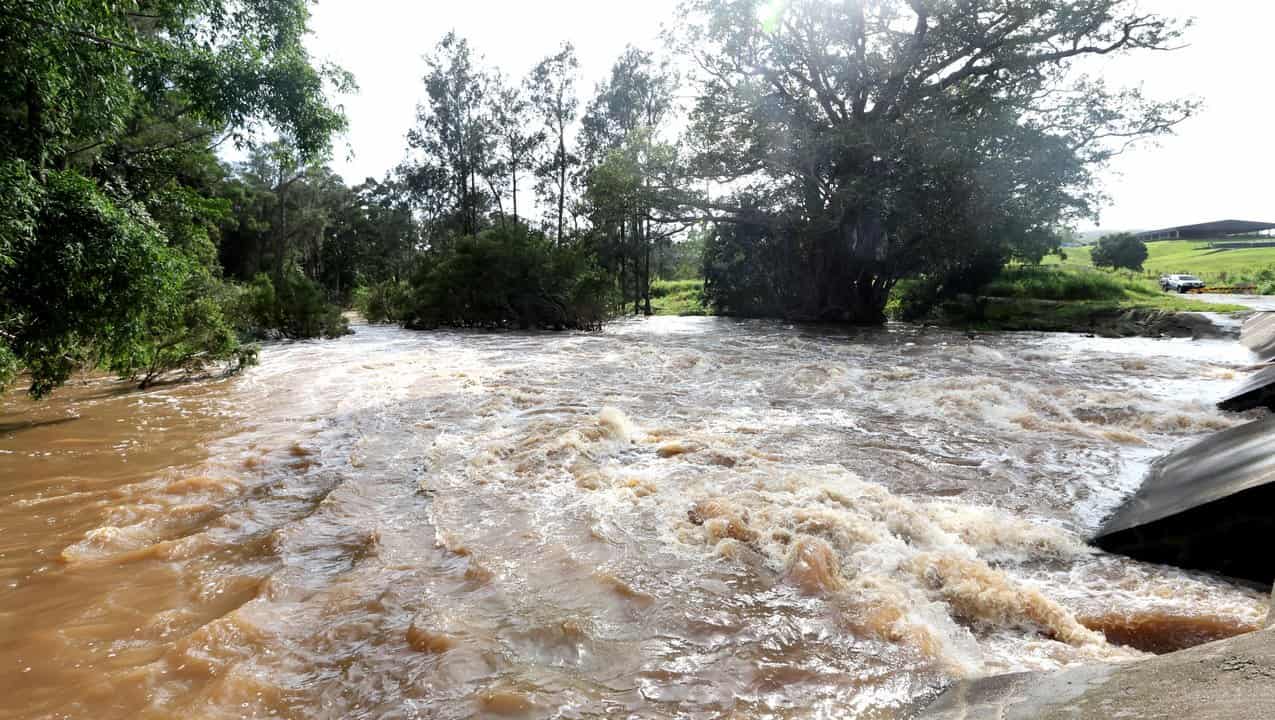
(1194, 257)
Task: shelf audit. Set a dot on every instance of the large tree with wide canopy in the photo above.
(865, 141)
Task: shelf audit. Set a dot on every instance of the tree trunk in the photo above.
(624, 283)
(646, 284)
(624, 261)
(513, 179)
(562, 178)
(35, 129)
(281, 233)
(850, 280)
(637, 268)
(500, 205)
(473, 200)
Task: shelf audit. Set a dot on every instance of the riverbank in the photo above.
(1076, 303)
(1108, 304)
(1171, 318)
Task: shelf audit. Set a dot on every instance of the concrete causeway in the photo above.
(1226, 680)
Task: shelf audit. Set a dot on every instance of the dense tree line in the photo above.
(125, 241)
(830, 150)
(599, 177)
(825, 152)
(112, 200)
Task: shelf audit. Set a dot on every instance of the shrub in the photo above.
(88, 279)
(505, 278)
(192, 335)
(748, 269)
(664, 288)
(296, 309)
(85, 279)
(384, 302)
(912, 299)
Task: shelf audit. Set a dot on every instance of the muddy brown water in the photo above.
(674, 518)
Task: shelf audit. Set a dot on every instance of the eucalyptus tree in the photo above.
(81, 76)
(637, 94)
(628, 167)
(387, 235)
(552, 91)
(270, 214)
(107, 107)
(453, 137)
(516, 145)
(883, 139)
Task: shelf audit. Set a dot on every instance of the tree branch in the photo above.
(82, 34)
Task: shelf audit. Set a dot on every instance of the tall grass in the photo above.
(1051, 283)
(1093, 288)
(678, 297)
(663, 288)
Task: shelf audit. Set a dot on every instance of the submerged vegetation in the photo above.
(294, 308)
(807, 160)
(508, 278)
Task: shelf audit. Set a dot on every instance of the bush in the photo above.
(505, 278)
(88, 279)
(1038, 283)
(664, 288)
(1122, 250)
(193, 335)
(384, 302)
(748, 272)
(913, 299)
(296, 309)
(82, 278)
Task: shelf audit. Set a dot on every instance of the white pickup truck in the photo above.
(1180, 283)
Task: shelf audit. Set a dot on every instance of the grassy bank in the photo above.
(1024, 298)
(677, 297)
(1250, 265)
(1077, 300)
(1123, 290)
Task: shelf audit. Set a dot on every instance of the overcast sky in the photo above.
(1216, 166)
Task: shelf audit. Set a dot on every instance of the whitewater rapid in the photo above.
(677, 516)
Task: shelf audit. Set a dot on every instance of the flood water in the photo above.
(680, 517)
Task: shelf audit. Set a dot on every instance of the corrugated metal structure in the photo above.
(1208, 231)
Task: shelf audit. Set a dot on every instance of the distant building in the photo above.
(1207, 231)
